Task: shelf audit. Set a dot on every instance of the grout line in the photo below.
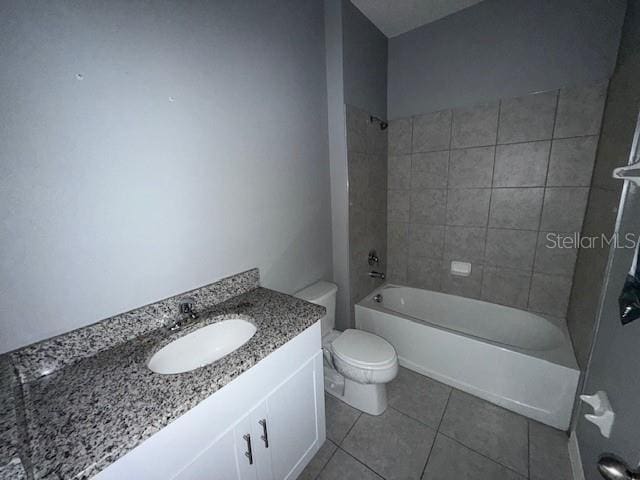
(361, 463)
(493, 172)
(479, 226)
(408, 231)
(444, 411)
(444, 271)
(544, 196)
(350, 428)
(416, 420)
(498, 144)
(528, 449)
(483, 455)
(438, 431)
(328, 461)
(526, 187)
(430, 427)
(451, 389)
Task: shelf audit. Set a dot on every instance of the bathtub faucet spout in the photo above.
(374, 274)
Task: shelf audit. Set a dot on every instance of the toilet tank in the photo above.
(322, 293)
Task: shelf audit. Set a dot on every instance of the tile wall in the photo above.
(486, 184)
(367, 165)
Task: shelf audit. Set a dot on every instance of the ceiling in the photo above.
(394, 17)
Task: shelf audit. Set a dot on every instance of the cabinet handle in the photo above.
(265, 435)
(248, 453)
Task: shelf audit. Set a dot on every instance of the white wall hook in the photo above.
(628, 172)
(603, 415)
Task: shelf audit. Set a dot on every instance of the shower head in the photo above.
(383, 124)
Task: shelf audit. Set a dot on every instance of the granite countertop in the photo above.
(11, 467)
(85, 416)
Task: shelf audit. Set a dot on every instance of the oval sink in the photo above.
(202, 347)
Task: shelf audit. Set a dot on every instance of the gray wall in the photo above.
(148, 148)
(365, 62)
(618, 126)
(356, 57)
(487, 184)
(502, 48)
(614, 362)
(367, 158)
(338, 159)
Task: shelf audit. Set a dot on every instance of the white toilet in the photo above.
(358, 364)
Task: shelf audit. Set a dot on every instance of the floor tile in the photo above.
(418, 396)
(488, 429)
(392, 444)
(340, 417)
(344, 467)
(548, 453)
(451, 460)
(317, 463)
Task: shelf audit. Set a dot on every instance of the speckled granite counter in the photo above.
(11, 467)
(88, 414)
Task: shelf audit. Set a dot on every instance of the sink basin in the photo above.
(202, 347)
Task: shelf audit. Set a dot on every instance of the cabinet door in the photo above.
(218, 462)
(262, 443)
(246, 442)
(293, 424)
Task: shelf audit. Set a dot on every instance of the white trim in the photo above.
(574, 457)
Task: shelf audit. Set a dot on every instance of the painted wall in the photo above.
(147, 148)
(502, 48)
(619, 122)
(613, 360)
(338, 159)
(356, 57)
(365, 62)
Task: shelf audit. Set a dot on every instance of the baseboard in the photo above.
(574, 457)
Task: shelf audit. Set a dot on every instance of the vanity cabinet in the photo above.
(268, 442)
(266, 424)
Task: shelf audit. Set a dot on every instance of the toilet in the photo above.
(357, 364)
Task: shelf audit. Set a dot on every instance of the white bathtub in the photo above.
(515, 359)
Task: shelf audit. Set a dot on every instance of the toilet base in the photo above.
(369, 398)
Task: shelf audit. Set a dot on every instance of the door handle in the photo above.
(613, 468)
(265, 435)
(248, 453)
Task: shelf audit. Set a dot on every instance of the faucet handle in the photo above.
(186, 304)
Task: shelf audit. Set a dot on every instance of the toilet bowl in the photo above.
(357, 364)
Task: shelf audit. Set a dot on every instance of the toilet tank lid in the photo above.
(317, 291)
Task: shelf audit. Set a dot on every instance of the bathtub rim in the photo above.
(562, 355)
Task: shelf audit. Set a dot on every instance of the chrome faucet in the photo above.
(374, 274)
(186, 308)
(186, 316)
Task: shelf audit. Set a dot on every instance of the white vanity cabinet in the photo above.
(275, 409)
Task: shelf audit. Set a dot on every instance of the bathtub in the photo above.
(518, 360)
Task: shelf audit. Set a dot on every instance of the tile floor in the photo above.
(431, 431)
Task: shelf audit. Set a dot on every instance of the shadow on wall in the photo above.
(486, 185)
(278, 273)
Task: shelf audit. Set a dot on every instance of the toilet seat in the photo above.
(364, 350)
